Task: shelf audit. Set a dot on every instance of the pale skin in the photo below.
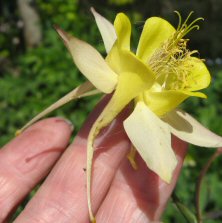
(119, 193)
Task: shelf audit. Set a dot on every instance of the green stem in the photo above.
(200, 181)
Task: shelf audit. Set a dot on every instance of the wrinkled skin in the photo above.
(119, 193)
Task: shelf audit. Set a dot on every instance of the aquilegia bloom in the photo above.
(157, 78)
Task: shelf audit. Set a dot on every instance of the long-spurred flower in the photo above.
(156, 78)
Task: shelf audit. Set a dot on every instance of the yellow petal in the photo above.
(190, 130)
(155, 32)
(125, 61)
(90, 63)
(106, 29)
(164, 101)
(129, 86)
(152, 139)
(123, 30)
(113, 59)
(199, 77)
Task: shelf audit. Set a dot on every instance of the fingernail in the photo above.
(61, 119)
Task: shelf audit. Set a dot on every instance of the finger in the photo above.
(62, 198)
(28, 158)
(139, 196)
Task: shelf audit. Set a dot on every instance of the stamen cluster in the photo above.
(172, 62)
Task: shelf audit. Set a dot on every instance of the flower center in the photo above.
(171, 62)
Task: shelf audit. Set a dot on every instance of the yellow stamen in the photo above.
(171, 61)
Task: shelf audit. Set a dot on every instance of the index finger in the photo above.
(28, 158)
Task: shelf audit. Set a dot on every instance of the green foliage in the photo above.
(185, 211)
(42, 75)
(60, 13)
(121, 2)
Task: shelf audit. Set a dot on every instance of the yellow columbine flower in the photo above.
(157, 78)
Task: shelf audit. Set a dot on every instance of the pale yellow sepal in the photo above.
(190, 130)
(90, 63)
(106, 29)
(155, 32)
(123, 30)
(152, 139)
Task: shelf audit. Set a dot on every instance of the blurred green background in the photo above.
(36, 70)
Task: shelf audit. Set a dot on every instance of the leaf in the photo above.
(188, 215)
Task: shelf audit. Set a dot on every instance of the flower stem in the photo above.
(200, 181)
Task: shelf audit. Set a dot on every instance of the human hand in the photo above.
(119, 193)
